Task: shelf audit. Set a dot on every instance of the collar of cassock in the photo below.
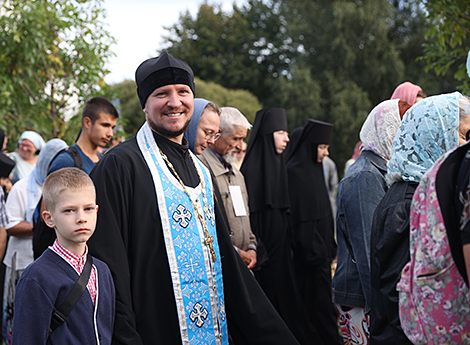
(170, 148)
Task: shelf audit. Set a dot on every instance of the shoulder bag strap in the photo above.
(59, 316)
(77, 160)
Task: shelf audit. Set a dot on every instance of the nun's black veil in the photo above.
(264, 169)
(266, 180)
(312, 227)
(308, 193)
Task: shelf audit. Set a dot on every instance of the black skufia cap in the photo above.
(160, 71)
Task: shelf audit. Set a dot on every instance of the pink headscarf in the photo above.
(406, 92)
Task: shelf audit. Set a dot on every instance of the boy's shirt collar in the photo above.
(72, 258)
(78, 263)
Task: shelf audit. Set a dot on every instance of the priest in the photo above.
(178, 279)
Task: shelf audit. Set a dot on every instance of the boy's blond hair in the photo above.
(62, 179)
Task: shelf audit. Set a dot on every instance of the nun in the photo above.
(266, 181)
(312, 225)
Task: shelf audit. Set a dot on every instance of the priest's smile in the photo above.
(168, 110)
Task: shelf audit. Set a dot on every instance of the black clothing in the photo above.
(263, 168)
(129, 238)
(312, 229)
(389, 253)
(309, 197)
(266, 182)
(452, 188)
(6, 163)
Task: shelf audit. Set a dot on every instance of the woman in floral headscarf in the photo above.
(359, 193)
(430, 128)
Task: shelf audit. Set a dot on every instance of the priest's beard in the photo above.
(165, 132)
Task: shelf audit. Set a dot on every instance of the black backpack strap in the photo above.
(59, 316)
(77, 160)
(56, 155)
(73, 152)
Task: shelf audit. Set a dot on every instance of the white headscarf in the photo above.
(35, 138)
(380, 128)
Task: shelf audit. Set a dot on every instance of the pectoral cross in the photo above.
(208, 241)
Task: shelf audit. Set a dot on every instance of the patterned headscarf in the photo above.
(380, 128)
(427, 131)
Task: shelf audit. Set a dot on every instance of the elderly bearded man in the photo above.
(230, 183)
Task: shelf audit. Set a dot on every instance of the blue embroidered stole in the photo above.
(197, 279)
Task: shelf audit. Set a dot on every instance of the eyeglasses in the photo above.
(211, 134)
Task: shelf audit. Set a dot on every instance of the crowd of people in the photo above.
(185, 234)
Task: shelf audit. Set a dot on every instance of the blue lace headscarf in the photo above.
(427, 131)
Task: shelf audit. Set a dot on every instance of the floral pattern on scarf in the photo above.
(380, 128)
(433, 297)
(427, 131)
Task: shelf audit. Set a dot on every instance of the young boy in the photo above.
(70, 208)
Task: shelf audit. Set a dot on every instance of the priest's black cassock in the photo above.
(312, 226)
(266, 181)
(130, 240)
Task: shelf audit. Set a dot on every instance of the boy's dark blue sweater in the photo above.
(43, 286)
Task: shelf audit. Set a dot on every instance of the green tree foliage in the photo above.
(331, 60)
(243, 100)
(133, 117)
(131, 111)
(346, 46)
(52, 59)
(407, 32)
(248, 49)
(449, 22)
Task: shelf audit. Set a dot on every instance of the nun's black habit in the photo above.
(312, 227)
(266, 181)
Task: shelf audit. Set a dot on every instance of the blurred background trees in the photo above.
(331, 60)
(53, 56)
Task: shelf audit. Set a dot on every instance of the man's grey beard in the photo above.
(231, 157)
(165, 132)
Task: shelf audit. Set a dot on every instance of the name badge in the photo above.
(237, 201)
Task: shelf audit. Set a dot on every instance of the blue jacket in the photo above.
(359, 193)
(43, 286)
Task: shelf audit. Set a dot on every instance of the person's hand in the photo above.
(249, 258)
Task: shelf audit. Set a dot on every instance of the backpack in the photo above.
(434, 304)
(44, 236)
